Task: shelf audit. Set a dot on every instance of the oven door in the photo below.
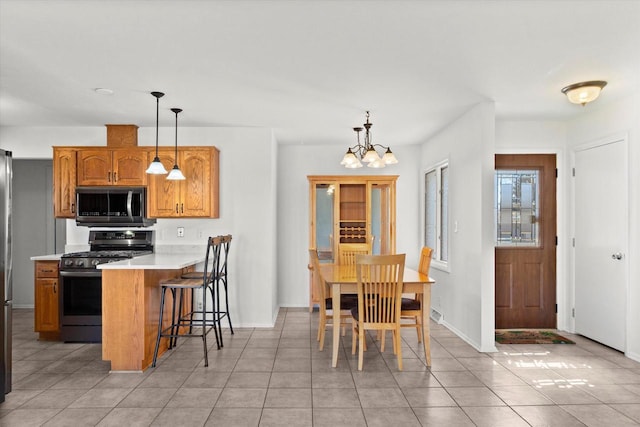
(81, 306)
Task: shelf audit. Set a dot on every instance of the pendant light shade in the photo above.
(176, 173)
(156, 167)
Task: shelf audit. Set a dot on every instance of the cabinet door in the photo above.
(94, 167)
(382, 217)
(46, 305)
(195, 191)
(163, 195)
(64, 183)
(129, 167)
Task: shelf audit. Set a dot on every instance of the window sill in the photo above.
(442, 266)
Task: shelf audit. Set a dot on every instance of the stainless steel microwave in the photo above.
(112, 207)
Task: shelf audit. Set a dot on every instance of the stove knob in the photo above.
(95, 262)
(68, 262)
(79, 263)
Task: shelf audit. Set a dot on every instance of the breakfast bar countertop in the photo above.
(156, 261)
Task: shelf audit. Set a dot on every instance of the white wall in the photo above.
(247, 204)
(620, 117)
(465, 293)
(298, 161)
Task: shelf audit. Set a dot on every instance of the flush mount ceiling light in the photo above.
(366, 153)
(176, 173)
(156, 167)
(584, 92)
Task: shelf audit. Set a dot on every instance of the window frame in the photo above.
(437, 260)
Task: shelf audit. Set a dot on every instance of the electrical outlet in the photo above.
(200, 233)
(180, 231)
(199, 305)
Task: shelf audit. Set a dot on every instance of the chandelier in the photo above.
(366, 152)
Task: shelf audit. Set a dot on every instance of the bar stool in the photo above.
(221, 277)
(194, 317)
(218, 276)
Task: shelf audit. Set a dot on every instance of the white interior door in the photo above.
(601, 230)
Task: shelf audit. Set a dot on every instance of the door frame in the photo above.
(564, 299)
(610, 139)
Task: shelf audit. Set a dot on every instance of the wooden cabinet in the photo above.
(46, 312)
(194, 197)
(64, 182)
(106, 166)
(351, 209)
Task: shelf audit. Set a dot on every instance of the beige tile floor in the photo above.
(277, 377)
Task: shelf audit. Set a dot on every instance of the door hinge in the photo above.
(573, 171)
(556, 172)
(556, 240)
(556, 308)
(573, 312)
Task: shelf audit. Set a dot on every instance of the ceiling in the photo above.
(309, 69)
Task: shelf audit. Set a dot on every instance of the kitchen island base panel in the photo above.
(130, 312)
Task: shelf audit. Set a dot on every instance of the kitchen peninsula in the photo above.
(131, 304)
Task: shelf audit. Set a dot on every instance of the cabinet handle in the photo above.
(55, 287)
(73, 208)
(109, 176)
(177, 208)
(181, 207)
(47, 271)
(115, 177)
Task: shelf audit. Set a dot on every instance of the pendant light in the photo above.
(156, 167)
(175, 173)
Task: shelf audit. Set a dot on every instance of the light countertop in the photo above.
(52, 257)
(156, 261)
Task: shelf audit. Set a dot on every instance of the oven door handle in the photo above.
(92, 273)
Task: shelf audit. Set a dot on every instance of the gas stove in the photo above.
(109, 246)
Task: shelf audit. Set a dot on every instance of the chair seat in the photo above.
(182, 283)
(196, 275)
(410, 304)
(347, 302)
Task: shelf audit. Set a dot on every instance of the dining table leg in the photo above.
(335, 301)
(426, 308)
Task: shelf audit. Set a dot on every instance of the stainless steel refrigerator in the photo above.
(6, 177)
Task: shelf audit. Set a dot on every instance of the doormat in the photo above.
(530, 336)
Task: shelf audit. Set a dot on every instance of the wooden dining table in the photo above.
(342, 279)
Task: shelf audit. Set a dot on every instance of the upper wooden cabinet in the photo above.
(64, 182)
(197, 195)
(107, 166)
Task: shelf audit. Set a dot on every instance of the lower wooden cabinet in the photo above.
(46, 312)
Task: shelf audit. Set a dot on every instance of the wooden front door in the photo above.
(525, 259)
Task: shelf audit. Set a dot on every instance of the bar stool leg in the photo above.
(155, 352)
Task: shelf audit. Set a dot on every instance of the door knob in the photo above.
(617, 255)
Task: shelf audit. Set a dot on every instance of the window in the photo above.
(436, 223)
(516, 209)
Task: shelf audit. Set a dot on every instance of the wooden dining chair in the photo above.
(380, 281)
(412, 307)
(326, 302)
(347, 252)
